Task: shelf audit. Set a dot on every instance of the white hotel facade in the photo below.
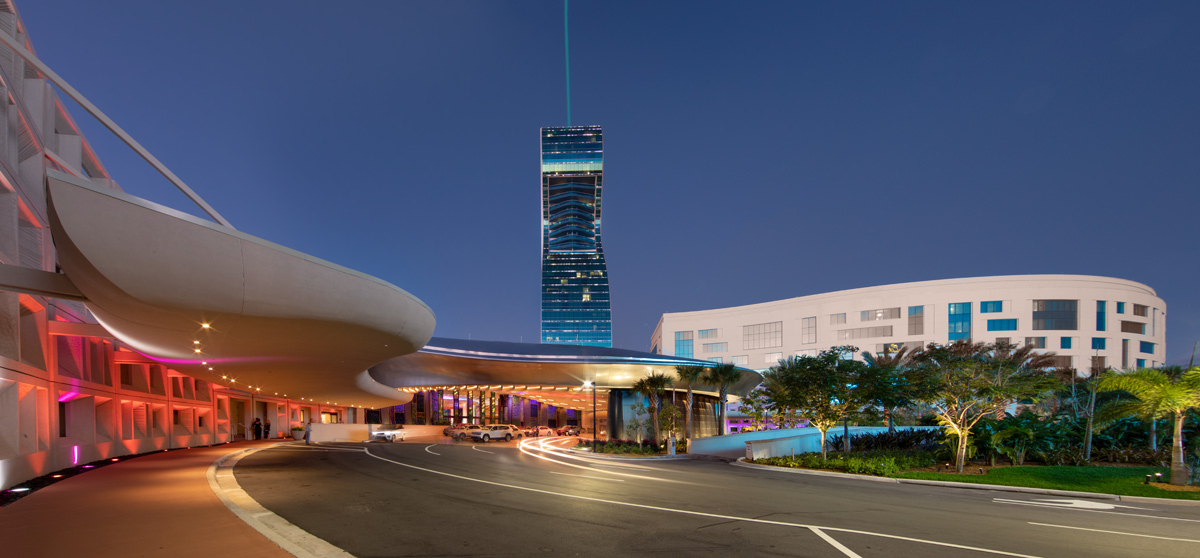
(1089, 322)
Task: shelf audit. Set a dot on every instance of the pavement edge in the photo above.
(294, 540)
(741, 462)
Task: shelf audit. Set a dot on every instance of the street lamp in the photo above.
(594, 433)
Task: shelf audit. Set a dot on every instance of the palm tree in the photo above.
(888, 385)
(651, 386)
(689, 375)
(722, 375)
(1159, 393)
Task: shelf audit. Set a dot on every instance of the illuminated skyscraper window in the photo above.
(575, 299)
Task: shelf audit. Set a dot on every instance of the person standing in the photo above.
(256, 426)
(267, 429)
(307, 431)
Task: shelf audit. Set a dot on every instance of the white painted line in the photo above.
(529, 452)
(1037, 505)
(1072, 504)
(426, 449)
(699, 514)
(1115, 532)
(278, 530)
(835, 544)
(585, 476)
(476, 448)
(304, 449)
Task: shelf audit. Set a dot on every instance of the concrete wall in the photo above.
(774, 443)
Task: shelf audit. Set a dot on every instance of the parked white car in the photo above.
(389, 432)
(504, 432)
(465, 433)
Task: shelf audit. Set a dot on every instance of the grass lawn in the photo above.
(1126, 481)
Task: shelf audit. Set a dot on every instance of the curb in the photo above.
(278, 530)
(741, 462)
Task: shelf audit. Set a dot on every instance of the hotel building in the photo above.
(1089, 323)
(575, 295)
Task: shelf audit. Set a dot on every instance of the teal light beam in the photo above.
(567, 49)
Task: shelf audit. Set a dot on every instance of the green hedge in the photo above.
(880, 463)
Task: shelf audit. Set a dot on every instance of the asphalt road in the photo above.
(508, 499)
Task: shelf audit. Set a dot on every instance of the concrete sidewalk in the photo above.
(155, 505)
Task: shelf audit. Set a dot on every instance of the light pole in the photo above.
(594, 433)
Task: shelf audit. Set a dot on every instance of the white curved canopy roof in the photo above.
(198, 295)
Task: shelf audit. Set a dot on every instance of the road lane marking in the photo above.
(1071, 504)
(585, 476)
(304, 449)
(1037, 505)
(700, 514)
(531, 454)
(476, 448)
(1114, 532)
(834, 543)
(426, 449)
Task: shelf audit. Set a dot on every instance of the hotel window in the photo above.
(683, 344)
(808, 330)
(960, 321)
(1146, 347)
(709, 333)
(991, 306)
(717, 360)
(864, 333)
(1098, 343)
(1141, 363)
(1004, 340)
(1101, 321)
(773, 358)
(1064, 343)
(1133, 327)
(1061, 361)
(1120, 307)
(1055, 314)
(1036, 342)
(879, 314)
(835, 319)
(1002, 325)
(716, 347)
(762, 336)
(916, 320)
(740, 360)
(893, 348)
(1140, 310)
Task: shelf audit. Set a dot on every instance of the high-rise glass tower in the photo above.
(575, 302)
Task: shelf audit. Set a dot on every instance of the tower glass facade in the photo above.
(575, 300)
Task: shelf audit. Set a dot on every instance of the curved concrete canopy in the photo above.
(530, 368)
(198, 295)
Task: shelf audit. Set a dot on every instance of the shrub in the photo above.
(878, 463)
(898, 440)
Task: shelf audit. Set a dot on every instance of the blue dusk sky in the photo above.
(754, 151)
